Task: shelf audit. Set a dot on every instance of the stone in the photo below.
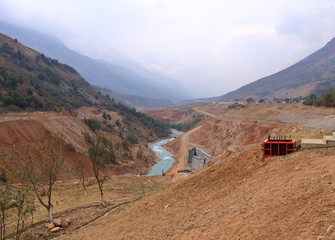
(57, 221)
(330, 229)
(68, 220)
(55, 229)
(166, 206)
(50, 225)
(64, 223)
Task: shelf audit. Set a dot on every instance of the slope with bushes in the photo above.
(31, 83)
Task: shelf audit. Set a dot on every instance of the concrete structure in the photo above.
(197, 159)
(326, 141)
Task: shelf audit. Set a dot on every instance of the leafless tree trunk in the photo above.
(38, 163)
(5, 205)
(24, 204)
(98, 153)
(78, 172)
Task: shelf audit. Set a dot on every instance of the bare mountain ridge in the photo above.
(313, 74)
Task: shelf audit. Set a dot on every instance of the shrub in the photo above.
(93, 124)
(133, 139)
(326, 100)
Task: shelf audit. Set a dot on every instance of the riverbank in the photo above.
(179, 147)
(165, 158)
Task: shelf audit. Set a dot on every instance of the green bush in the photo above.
(93, 124)
(133, 139)
(325, 100)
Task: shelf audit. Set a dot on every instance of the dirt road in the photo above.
(205, 113)
(184, 145)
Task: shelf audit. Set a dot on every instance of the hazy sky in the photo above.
(214, 46)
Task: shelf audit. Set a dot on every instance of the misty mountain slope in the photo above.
(135, 101)
(112, 76)
(314, 74)
(29, 81)
(161, 81)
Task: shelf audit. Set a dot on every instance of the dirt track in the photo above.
(224, 135)
(182, 144)
(205, 113)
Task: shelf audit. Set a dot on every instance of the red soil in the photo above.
(166, 115)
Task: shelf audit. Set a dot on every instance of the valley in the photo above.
(239, 192)
(236, 195)
(75, 158)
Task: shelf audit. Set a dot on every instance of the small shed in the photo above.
(278, 147)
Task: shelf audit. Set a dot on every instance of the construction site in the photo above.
(239, 193)
(235, 189)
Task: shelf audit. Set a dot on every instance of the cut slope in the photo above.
(18, 128)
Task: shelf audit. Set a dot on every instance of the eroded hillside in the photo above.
(18, 128)
(243, 195)
(40, 96)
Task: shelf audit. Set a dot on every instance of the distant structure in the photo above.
(197, 159)
(326, 141)
(278, 146)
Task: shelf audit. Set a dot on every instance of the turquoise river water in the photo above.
(165, 157)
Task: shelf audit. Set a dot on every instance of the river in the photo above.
(165, 157)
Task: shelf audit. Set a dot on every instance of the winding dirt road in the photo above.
(185, 145)
(183, 151)
(205, 113)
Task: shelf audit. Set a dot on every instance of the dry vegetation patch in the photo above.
(83, 207)
(244, 197)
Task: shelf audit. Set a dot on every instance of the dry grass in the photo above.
(68, 194)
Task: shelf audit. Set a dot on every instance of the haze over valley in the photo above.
(154, 119)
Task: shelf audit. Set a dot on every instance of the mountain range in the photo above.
(30, 81)
(314, 74)
(131, 84)
(122, 80)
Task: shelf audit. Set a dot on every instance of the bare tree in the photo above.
(38, 163)
(24, 205)
(78, 172)
(100, 151)
(5, 206)
(15, 201)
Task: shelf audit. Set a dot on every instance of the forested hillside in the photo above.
(31, 81)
